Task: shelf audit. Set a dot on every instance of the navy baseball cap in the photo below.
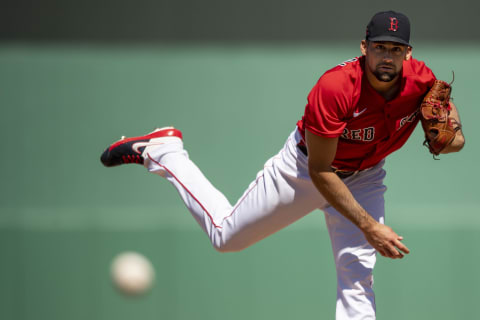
(389, 26)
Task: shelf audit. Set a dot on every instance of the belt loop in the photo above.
(303, 148)
(344, 174)
(340, 173)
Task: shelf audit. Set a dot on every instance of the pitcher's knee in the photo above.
(228, 246)
(353, 273)
(355, 281)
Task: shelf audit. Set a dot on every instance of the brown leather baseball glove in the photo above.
(434, 110)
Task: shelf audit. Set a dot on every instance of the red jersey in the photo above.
(344, 104)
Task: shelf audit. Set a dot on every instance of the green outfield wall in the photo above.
(63, 216)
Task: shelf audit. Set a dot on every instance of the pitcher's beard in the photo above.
(385, 76)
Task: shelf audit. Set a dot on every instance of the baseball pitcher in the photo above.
(358, 113)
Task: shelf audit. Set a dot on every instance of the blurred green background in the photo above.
(63, 216)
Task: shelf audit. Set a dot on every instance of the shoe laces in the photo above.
(132, 158)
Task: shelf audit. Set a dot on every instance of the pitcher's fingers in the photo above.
(397, 253)
(393, 252)
(382, 252)
(401, 246)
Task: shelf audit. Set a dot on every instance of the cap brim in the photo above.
(389, 38)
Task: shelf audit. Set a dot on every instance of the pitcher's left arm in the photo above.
(459, 141)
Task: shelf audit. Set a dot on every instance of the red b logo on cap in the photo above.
(393, 24)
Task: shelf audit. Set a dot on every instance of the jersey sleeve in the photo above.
(326, 109)
(421, 72)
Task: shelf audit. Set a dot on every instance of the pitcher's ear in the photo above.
(409, 53)
(363, 47)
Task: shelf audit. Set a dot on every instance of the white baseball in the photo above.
(132, 273)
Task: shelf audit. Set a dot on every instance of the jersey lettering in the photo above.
(356, 134)
(405, 120)
(368, 134)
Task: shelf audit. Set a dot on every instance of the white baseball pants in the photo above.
(281, 194)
